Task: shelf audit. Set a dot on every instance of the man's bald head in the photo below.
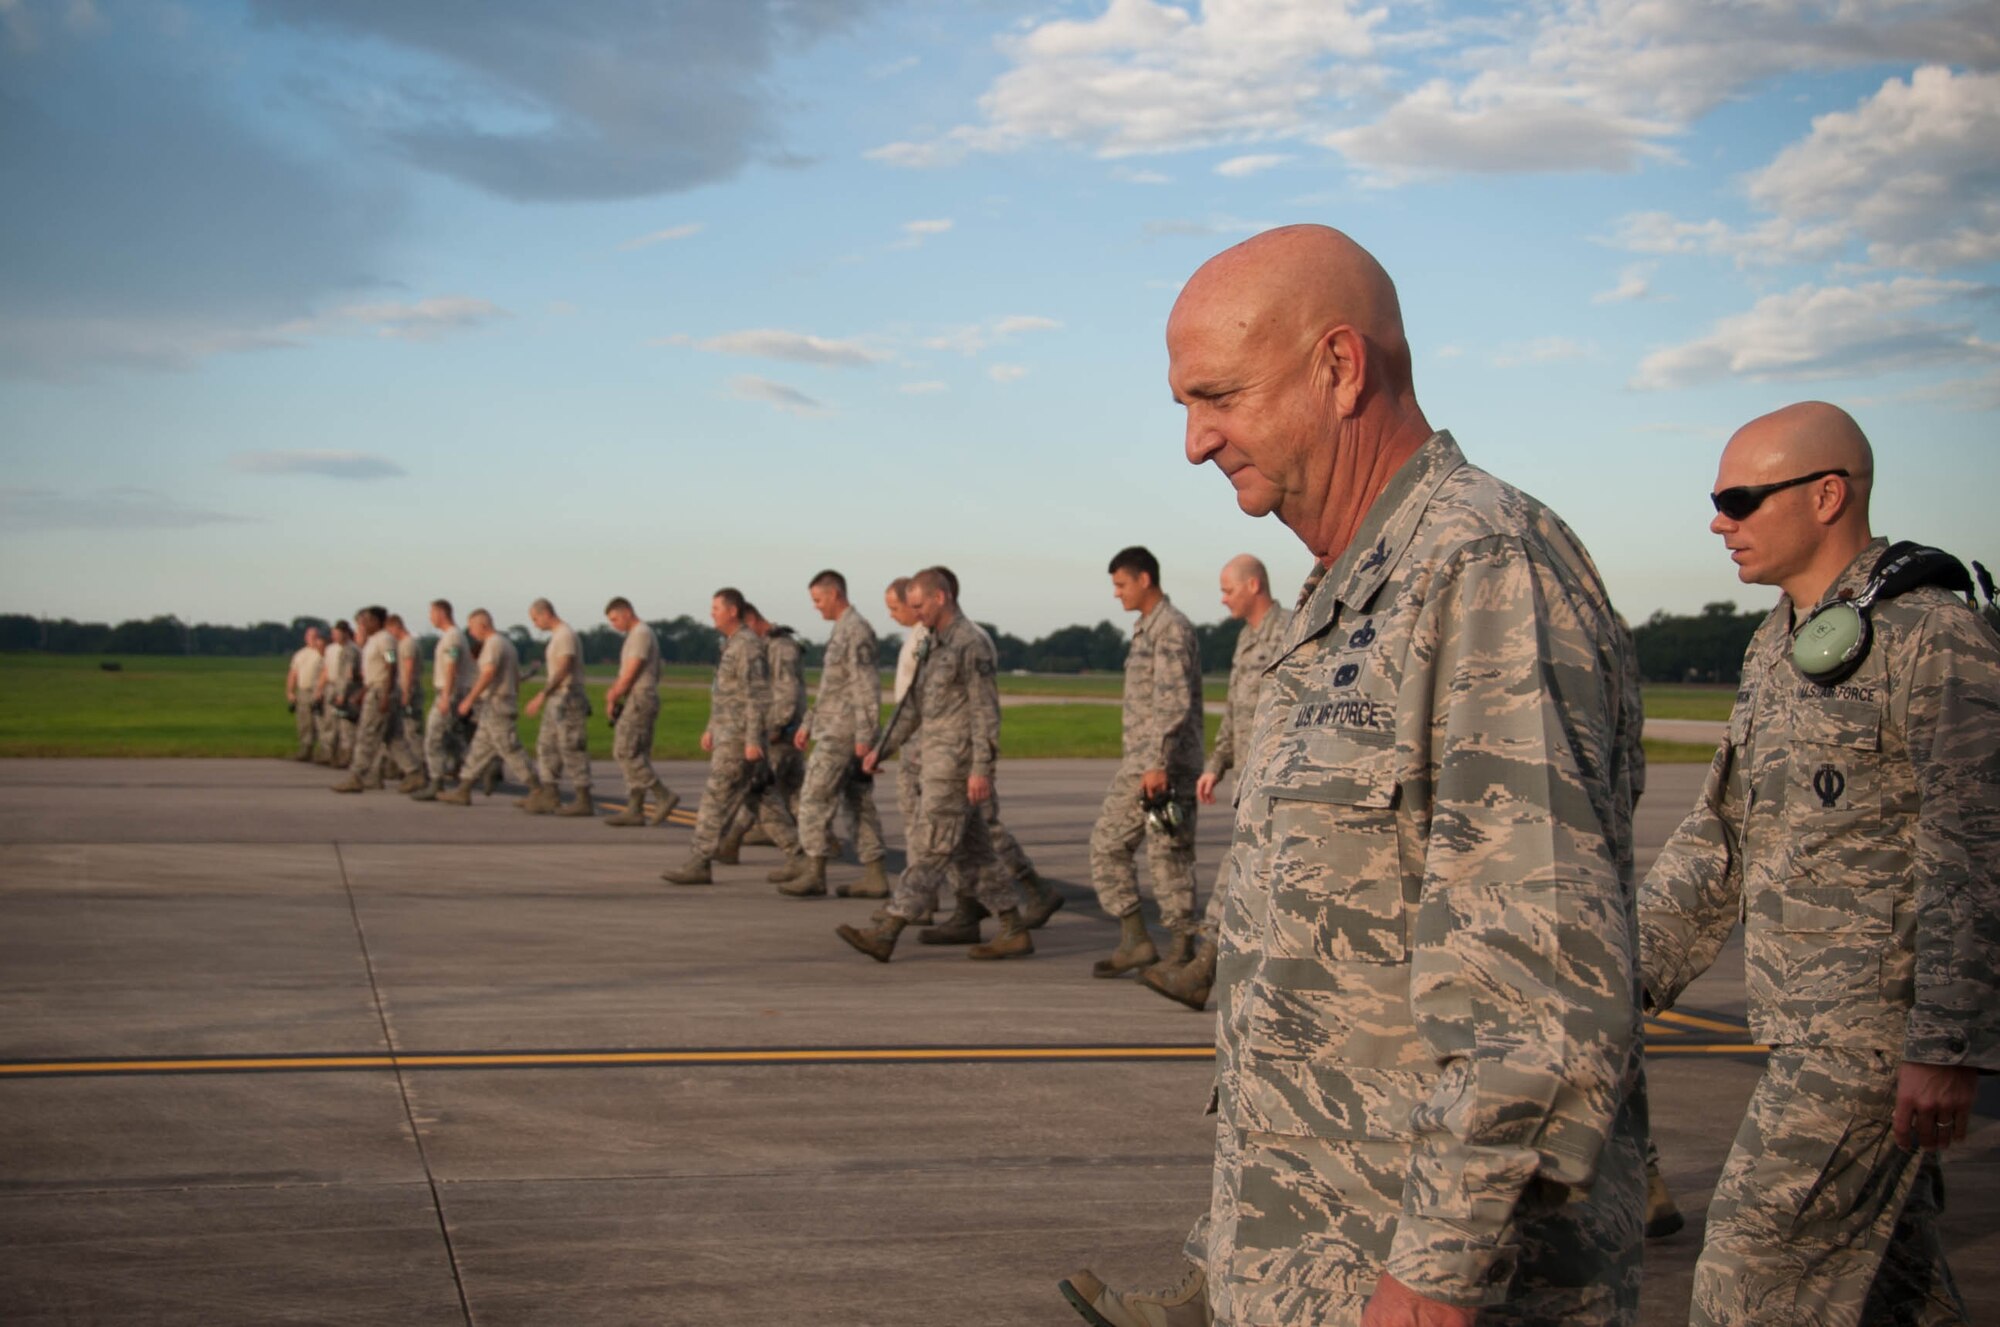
(1244, 569)
(1803, 534)
(1246, 588)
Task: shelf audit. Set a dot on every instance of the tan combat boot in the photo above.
(730, 851)
(1042, 901)
(1182, 1305)
(665, 799)
(693, 871)
(1135, 948)
(428, 793)
(794, 866)
(879, 943)
(961, 928)
(1012, 942)
(758, 837)
(542, 799)
(809, 881)
(874, 882)
(1187, 983)
(459, 796)
(413, 782)
(350, 784)
(492, 779)
(634, 812)
(1663, 1218)
(582, 806)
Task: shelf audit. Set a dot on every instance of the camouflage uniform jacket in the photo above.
(1428, 939)
(1256, 647)
(1855, 829)
(1162, 713)
(503, 698)
(453, 649)
(343, 671)
(740, 697)
(954, 704)
(378, 664)
(410, 672)
(849, 708)
(788, 683)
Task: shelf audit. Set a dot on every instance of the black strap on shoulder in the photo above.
(1906, 565)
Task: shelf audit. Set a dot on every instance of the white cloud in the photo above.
(425, 320)
(1132, 175)
(1007, 372)
(671, 233)
(750, 387)
(1237, 167)
(929, 388)
(1776, 240)
(797, 347)
(331, 464)
(1634, 283)
(1187, 227)
(1542, 350)
(1828, 331)
(972, 338)
(28, 507)
(1440, 129)
(916, 232)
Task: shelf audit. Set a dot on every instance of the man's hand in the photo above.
(1396, 1305)
(707, 740)
(1204, 788)
(1933, 1104)
(534, 706)
(752, 752)
(800, 739)
(465, 706)
(1152, 783)
(861, 750)
(871, 759)
(978, 789)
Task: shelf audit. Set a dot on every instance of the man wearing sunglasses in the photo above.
(1854, 826)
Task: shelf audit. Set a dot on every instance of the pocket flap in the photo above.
(1856, 724)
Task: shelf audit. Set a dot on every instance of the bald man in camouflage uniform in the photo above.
(1853, 825)
(496, 696)
(378, 691)
(634, 702)
(452, 673)
(1162, 720)
(954, 712)
(1246, 593)
(842, 727)
(739, 706)
(1428, 1024)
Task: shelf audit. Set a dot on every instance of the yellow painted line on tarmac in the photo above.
(1709, 1048)
(674, 817)
(1695, 1021)
(602, 1059)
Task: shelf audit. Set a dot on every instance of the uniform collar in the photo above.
(1149, 617)
(1854, 577)
(1379, 544)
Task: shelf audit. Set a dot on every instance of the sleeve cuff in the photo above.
(1441, 1260)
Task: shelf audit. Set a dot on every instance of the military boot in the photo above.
(693, 871)
(1182, 948)
(323, 758)
(665, 799)
(350, 784)
(373, 783)
(961, 928)
(582, 806)
(874, 882)
(459, 796)
(730, 851)
(1663, 1218)
(794, 866)
(809, 881)
(1135, 948)
(1188, 983)
(879, 943)
(492, 779)
(303, 756)
(1042, 901)
(427, 793)
(1012, 942)
(634, 812)
(541, 800)
(412, 783)
(759, 837)
(882, 914)
(1182, 1305)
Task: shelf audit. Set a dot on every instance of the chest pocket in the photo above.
(1331, 855)
(1834, 775)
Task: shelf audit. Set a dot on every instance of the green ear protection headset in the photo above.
(1833, 641)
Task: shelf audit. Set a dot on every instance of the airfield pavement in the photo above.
(269, 1055)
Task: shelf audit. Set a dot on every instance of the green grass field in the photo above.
(65, 705)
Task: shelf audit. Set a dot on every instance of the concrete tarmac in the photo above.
(272, 1055)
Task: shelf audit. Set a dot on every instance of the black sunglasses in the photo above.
(1737, 503)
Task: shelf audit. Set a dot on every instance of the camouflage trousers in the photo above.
(727, 793)
(948, 838)
(1820, 1217)
(498, 738)
(828, 789)
(336, 732)
(401, 742)
(1013, 863)
(1299, 1228)
(632, 741)
(371, 734)
(1114, 845)
(307, 724)
(788, 776)
(442, 749)
(564, 744)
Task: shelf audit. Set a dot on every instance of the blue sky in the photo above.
(311, 303)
